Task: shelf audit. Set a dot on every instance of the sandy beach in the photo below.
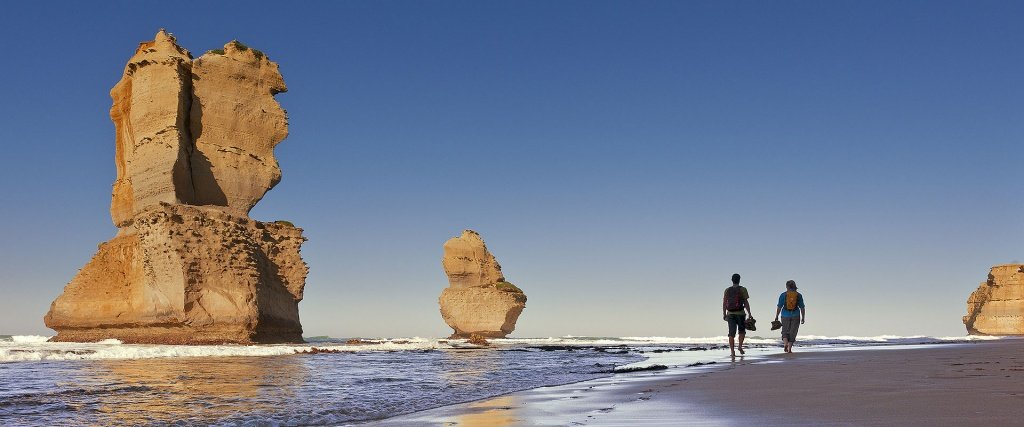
(952, 384)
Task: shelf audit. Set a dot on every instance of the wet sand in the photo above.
(978, 383)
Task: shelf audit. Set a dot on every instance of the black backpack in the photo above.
(734, 299)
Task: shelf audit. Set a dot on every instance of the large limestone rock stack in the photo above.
(194, 153)
(997, 306)
(478, 300)
(151, 121)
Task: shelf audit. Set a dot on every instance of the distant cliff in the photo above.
(478, 300)
(194, 143)
(997, 306)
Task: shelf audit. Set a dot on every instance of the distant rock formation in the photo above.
(194, 153)
(997, 306)
(478, 300)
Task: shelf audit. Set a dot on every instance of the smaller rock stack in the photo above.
(997, 306)
(478, 300)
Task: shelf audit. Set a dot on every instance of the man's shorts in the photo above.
(790, 326)
(737, 321)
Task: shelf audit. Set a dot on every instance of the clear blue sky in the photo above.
(621, 159)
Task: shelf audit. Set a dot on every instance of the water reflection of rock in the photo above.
(469, 366)
(201, 390)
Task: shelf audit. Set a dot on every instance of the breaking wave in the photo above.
(26, 348)
(35, 348)
(21, 339)
(750, 339)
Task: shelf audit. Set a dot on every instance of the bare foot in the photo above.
(741, 351)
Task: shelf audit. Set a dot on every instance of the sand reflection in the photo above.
(500, 411)
(196, 389)
(472, 367)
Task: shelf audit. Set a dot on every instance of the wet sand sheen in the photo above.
(954, 384)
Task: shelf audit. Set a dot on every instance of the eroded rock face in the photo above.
(151, 122)
(191, 133)
(478, 300)
(468, 263)
(187, 274)
(197, 132)
(484, 311)
(997, 306)
(235, 130)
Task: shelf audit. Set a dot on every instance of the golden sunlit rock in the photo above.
(194, 153)
(478, 300)
(997, 306)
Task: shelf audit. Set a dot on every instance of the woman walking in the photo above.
(791, 306)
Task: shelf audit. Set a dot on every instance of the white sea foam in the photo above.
(40, 350)
(722, 339)
(888, 339)
(36, 348)
(21, 339)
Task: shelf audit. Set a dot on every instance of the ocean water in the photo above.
(109, 383)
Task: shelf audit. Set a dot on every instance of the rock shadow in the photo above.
(207, 190)
(278, 308)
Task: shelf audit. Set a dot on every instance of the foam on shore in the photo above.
(750, 339)
(26, 348)
(23, 348)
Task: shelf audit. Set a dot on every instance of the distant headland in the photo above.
(997, 306)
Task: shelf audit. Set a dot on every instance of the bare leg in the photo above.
(732, 346)
(741, 344)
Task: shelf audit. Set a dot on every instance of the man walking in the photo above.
(791, 305)
(733, 305)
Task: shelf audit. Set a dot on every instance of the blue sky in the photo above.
(621, 159)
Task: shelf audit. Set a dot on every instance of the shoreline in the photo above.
(931, 384)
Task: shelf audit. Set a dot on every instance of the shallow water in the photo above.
(295, 389)
(110, 383)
